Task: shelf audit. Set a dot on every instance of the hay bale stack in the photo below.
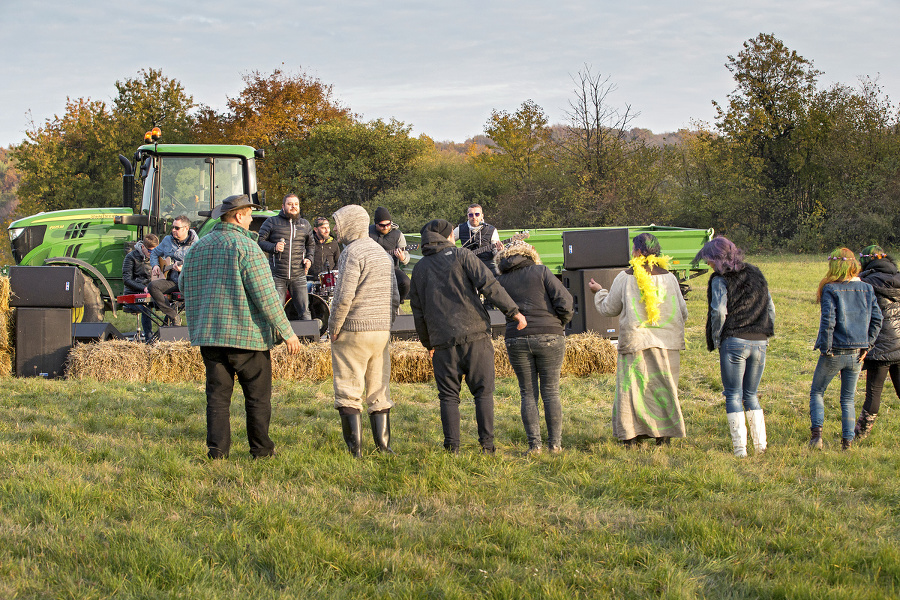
(312, 362)
(502, 368)
(111, 360)
(7, 325)
(170, 362)
(587, 354)
(410, 362)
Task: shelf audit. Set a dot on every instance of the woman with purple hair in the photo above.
(740, 321)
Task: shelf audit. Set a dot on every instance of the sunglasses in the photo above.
(388, 224)
(175, 227)
(474, 214)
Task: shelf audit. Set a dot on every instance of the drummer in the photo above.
(327, 249)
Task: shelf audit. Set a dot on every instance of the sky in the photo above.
(439, 67)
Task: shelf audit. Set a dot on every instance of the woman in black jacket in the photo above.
(880, 271)
(536, 352)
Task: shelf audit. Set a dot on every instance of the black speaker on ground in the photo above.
(46, 287)
(174, 334)
(498, 323)
(85, 333)
(43, 341)
(586, 316)
(404, 328)
(306, 330)
(595, 248)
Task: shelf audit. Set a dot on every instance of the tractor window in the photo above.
(229, 178)
(184, 189)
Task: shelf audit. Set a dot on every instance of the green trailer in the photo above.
(682, 244)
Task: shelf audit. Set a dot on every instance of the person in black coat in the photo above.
(136, 269)
(288, 240)
(536, 352)
(880, 271)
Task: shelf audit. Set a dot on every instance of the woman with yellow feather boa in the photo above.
(651, 310)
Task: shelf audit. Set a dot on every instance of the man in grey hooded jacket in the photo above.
(364, 307)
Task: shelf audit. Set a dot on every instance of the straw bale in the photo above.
(587, 354)
(121, 360)
(171, 362)
(502, 368)
(312, 362)
(5, 363)
(410, 362)
(5, 291)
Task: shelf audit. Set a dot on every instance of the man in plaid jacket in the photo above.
(234, 315)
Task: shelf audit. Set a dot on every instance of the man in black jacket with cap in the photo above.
(456, 328)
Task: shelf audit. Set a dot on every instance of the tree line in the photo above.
(786, 164)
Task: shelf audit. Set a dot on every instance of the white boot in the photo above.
(757, 429)
(738, 428)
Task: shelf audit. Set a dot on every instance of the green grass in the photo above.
(104, 492)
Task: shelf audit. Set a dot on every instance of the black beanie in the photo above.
(382, 215)
(438, 226)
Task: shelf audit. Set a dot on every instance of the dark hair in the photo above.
(184, 219)
(321, 221)
(647, 244)
(722, 255)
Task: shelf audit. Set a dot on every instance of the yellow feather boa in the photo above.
(642, 266)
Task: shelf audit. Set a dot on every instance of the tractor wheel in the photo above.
(93, 311)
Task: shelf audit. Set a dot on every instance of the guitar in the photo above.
(506, 243)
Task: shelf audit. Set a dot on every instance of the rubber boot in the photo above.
(865, 423)
(381, 430)
(815, 438)
(352, 427)
(757, 423)
(738, 427)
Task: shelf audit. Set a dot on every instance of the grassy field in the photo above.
(105, 493)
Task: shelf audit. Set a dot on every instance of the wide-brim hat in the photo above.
(232, 203)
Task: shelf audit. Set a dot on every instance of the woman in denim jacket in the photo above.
(848, 327)
(740, 321)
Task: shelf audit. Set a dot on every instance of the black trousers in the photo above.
(158, 290)
(254, 373)
(876, 374)
(475, 360)
(403, 283)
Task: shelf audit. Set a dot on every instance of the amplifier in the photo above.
(306, 330)
(595, 248)
(96, 332)
(586, 316)
(51, 287)
(43, 341)
(174, 334)
(404, 328)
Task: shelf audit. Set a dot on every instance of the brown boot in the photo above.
(815, 438)
(846, 444)
(865, 423)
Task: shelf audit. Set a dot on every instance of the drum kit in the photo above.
(320, 296)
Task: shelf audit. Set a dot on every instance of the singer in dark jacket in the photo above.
(288, 240)
(536, 352)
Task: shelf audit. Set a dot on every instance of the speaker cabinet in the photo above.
(586, 316)
(46, 287)
(306, 330)
(43, 341)
(96, 332)
(404, 328)
(174, 334)
(595, 248)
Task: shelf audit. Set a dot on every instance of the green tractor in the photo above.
(176, 179)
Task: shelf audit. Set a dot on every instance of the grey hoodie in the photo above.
(366, 296)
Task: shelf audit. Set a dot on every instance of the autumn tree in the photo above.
(346, 162)
(274, 109)
(152, 100)
(70, 161)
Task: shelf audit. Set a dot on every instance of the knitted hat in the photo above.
(382, 214)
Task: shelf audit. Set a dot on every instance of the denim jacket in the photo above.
(850, 316)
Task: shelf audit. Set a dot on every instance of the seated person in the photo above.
(166, 260)
(136, 275)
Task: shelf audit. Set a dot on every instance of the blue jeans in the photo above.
(741, 363)
(848, 365)
(299, 295)
(537, 361)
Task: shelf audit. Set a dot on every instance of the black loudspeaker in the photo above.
(43, 341)
(51, 287)
(404, 328)
(85, 333)
(174, 334)
(306, 330)
(498, 323)
(586, 316)
(595, 248)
